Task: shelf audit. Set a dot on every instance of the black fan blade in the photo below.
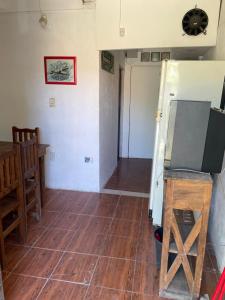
(195, 22)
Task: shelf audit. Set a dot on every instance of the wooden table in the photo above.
(8, 147)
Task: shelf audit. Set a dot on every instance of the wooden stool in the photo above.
(186, 214)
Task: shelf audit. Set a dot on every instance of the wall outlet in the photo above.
(52, 102)
(122, 31)
(88, 160)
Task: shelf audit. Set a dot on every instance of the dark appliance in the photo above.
(187, 129)
(215, 143)
(196, 137)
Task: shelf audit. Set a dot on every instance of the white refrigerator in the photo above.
(180, 80)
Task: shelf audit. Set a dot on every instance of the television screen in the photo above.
(222, 105)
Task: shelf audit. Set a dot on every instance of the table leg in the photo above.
(42, 179)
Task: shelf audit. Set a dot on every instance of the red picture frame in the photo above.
(60, 70)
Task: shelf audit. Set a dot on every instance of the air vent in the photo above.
(195, 22)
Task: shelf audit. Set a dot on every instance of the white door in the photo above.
(181, 80)
(145, 82)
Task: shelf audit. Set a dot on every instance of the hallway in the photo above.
(132, 175)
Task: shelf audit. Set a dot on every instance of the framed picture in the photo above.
(60, 70)
(107, 61)
(155, 57)
(165, 56)
(145, 56)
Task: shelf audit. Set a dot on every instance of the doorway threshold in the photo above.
(125, 193)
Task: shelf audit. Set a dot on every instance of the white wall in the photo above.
(151, 24)
(217, 219)
(72, 127)
(108, 120)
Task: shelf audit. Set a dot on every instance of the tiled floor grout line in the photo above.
(143, 220)
(125, 291)
(119, 290)
(135, 263)
(63, 253)
(85, 215)
(125, 193)
(48, 249)
(49, 278)
(68, 281)
(14, 268)
(25, 246)
(88, 254)
(51, 227)
(102, 250)
(108, 234)
(91, 277)
(30, 249)
(33, 247)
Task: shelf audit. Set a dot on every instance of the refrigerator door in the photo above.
(180, 80)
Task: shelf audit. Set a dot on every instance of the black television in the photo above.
(215, 142)
(222, 105)
(195, 137)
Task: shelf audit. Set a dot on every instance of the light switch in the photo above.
(52, 102)
(122, 31)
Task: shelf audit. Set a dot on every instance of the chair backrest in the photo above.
(25, 134)
(29, 157)
(10, 171)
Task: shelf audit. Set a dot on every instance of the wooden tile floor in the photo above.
(132, 175)
(89, 246)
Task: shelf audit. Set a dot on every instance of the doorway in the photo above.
(145, 81)
(138, 101)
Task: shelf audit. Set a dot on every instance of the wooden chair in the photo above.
(11, 208)
(22, 135)
(30, 176)
(25, 134)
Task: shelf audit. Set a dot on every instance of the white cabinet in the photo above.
(127, 24)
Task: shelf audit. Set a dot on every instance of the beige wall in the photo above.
(151, 23)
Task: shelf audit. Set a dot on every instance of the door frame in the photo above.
(125, 115)
(120, 99)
